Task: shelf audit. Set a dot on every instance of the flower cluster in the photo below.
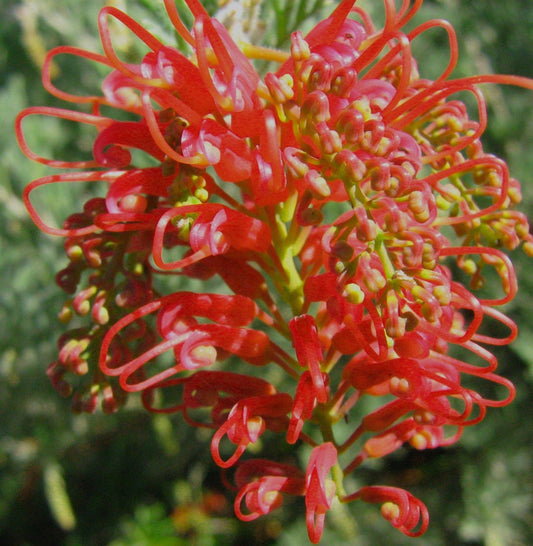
(343, 201)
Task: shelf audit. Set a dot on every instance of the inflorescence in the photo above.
(339, 200)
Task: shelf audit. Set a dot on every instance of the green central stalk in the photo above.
(287, 243)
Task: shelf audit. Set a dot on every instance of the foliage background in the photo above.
(131, 479)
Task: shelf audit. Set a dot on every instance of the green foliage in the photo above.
(131, 480)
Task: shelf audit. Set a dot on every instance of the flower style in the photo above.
(323, 196)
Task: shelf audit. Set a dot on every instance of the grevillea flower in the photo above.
(328, 198)
(397, 506)
(261, 482)
(319, 489)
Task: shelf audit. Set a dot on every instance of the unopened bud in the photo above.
(300, 50)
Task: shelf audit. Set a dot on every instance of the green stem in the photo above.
(288, 243)
(336, 470)
(381, 251)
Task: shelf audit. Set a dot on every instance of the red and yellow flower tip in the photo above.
(319, 205)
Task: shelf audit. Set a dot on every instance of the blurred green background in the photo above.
(132, 479)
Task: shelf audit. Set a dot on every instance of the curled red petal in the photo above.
(319, 490)
(308, 351)
(403, 510)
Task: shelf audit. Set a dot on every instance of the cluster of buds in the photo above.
(330, 198)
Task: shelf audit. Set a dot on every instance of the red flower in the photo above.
(305, 401)
(262, 483)
(216, 230)
(194, 344)
(312, 207)
(247, 420)
(308, 352)
(319, 489)
(397, 506)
